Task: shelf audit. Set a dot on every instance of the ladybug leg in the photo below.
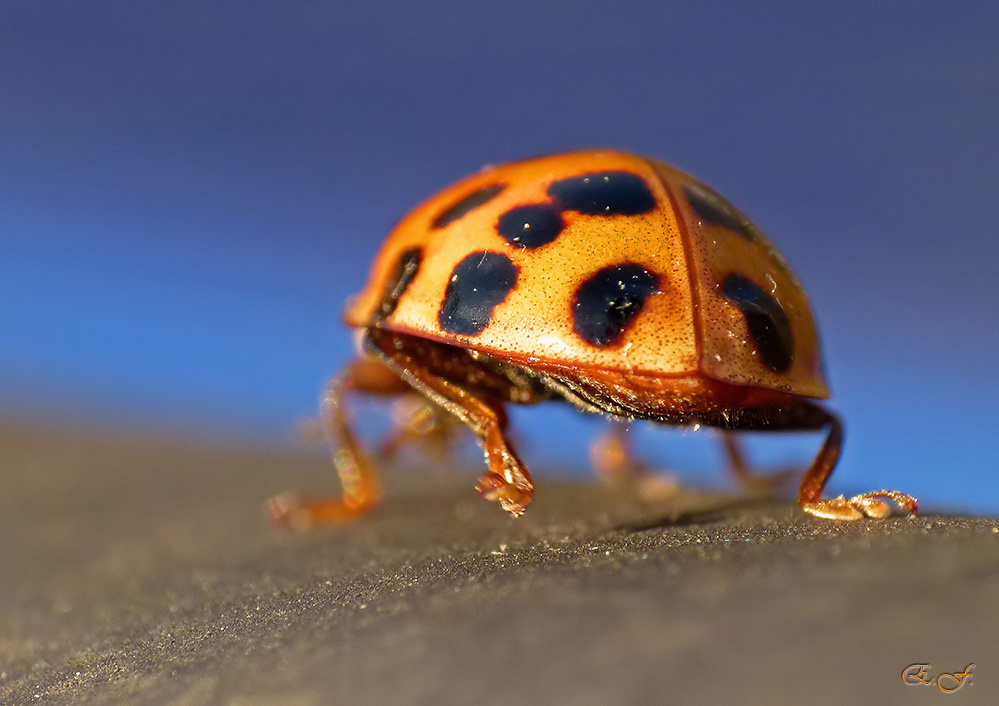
(361, 489)
(507, 481)
(866, 504)
(417, 421)
(742, 472)
(615, 463)
(612, 458)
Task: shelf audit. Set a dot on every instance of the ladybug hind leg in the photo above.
(873, 504)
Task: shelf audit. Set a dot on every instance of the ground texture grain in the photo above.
(143, 572)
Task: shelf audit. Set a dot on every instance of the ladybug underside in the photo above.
(618, 284)
(675, 400)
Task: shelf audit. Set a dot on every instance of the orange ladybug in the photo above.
(614, 282)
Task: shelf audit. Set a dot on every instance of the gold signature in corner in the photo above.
(947, 682)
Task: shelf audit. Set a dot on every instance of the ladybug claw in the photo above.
(511, 497)
(874, 502)
(871, 504)
(656, 487)
(301, 513)
(872, 507)
(289, 510)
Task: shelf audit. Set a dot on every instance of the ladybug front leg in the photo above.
(361, 489)
(507, 481)
(866, 504)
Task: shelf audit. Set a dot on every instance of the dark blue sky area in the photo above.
(190, 190)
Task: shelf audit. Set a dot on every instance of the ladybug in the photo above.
(611, 281)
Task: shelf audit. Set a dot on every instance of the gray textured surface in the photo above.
(143, 573)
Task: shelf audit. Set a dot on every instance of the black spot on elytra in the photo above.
(466, 204)
(530, 226)
(478, 283)
(767, 322)
(405, 270)
(711, 207)
(608, 301)
(604, 193)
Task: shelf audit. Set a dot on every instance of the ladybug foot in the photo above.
(512, 497)
(657, 487)
(300, 513)
(859, 506)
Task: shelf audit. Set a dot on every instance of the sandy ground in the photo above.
(140, 572)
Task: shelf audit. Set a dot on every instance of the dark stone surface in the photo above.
(139, 572)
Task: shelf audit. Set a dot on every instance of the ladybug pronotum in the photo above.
(614, 282)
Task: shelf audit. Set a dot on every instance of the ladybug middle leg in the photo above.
(745, 475)
(613, 459)
(416, 421)
(614, 462)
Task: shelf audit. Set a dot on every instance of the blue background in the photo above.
(190, 190)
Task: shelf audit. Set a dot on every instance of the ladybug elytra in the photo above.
(611, 281)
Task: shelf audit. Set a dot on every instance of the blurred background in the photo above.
(189, 192)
